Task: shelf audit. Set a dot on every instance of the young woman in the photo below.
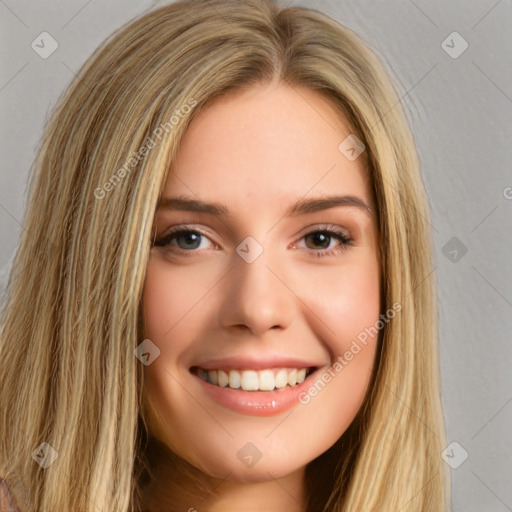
(222, 298)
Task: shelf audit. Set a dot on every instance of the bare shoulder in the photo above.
(7, 500)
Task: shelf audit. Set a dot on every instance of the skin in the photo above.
(257, 151)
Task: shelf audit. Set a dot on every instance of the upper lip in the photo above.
(260, 362)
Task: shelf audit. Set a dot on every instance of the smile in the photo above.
(252, 380)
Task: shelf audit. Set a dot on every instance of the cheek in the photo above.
(167, 298)
(348, 302)
(344, 307)
(349, 305)
(165, 302)
(163, 308)
(159, 302)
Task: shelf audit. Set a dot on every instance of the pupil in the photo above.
(190, 237)
(323, 238)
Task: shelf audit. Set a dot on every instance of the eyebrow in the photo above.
(301, 207)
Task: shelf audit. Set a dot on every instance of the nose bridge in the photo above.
(256, 297)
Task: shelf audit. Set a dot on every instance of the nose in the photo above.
(256, 296)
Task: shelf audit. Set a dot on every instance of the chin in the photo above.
(239, 470)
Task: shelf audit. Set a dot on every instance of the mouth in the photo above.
(270, 379)
(257, 384)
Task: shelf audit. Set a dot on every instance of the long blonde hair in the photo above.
(72, 313)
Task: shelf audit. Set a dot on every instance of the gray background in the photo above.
(460, 110)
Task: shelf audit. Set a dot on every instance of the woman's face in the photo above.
(258, 293)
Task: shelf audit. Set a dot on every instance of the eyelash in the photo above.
(330, 231)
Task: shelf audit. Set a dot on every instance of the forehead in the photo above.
(265, 147)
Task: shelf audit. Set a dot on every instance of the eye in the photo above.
(324, 235)
(186, 239)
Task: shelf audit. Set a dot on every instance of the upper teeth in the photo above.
(251, 380)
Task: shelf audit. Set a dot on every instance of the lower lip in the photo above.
(257, 403)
